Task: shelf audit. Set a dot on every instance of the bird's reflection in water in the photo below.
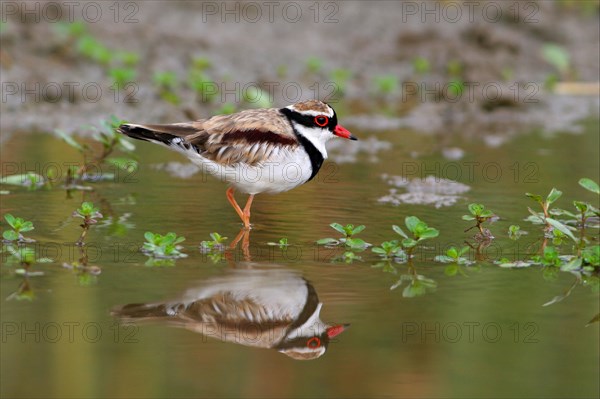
(265, 308)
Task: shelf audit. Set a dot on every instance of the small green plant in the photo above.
(227, 109)
(386, 84)
(122, 76)
(90, 215)
(544, 216)
(389, 250)
(557, 56)
(348, 240)
(166, 83)
(515, 232)
(19, 226)
(454, 255)
(421, 65)
(23, 256)
(591, 256)
(163, 247)
(340, 77)
(549, 257)
(314, 64)
(480, 215)
(348, 257)
(282, 243)
(205, 88)
(418, 285)
(419, 232)
(216, 245)
(257, 97)
(31, 180)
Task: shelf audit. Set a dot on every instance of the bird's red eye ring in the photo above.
(321, 120)
(314, 342)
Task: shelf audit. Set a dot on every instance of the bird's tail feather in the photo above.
(164, 134)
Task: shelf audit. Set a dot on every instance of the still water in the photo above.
(340, 331)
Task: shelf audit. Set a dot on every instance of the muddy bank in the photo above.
(361, 58)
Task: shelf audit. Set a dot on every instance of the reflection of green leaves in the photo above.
(454, 255)
(418, 285)
(515, 232)
(389, 249)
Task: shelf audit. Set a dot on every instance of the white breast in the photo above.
(283, 171)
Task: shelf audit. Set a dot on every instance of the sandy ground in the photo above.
(43, 76)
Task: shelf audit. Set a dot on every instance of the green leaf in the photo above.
(149, 236)
(26, 226)
(409, 243)
(69, 140)
(356, 243)
(126, 145)
(535, 197)
(590, 185)
(327, 241)
(451, 270)
(412, 222)
(562, 228)
(10, 219)
(452, 253)
(430, 232)
(553, 196)
(574, 264)
(10, 235)
(358, 229)
(127, 164)
(557, 56)
(378, 250)
(581, 206)
(486, 214)
(468, 217)
(338, 227)
(475, 209)
(398, 230)
(463, 251)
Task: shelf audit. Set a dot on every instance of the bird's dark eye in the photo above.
(314, 342)
(321, 120)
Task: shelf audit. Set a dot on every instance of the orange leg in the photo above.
(243, 214)
(247, 211)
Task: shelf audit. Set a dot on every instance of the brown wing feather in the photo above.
(249, 137)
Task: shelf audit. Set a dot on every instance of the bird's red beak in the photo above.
(336, 330)
(343, 132)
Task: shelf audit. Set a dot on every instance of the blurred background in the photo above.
(421, 65)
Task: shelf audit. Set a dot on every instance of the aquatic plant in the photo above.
(348, 240)
(480, 215)
(419, 232)
(110, 141)
(163, 246)
(217, 243)
(389, 250)
(19, 226)
(90, 215)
